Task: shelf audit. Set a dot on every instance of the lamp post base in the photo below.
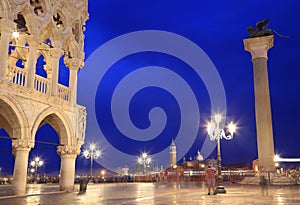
(220, 189)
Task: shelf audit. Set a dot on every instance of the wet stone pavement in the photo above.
(152, 193)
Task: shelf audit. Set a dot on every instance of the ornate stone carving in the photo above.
(68, 150)
(58, 20)
(81, 125)
(19, 2)
(74, 63)
(22, 143)
(37, 7)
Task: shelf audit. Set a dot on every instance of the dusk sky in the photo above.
(167, 98)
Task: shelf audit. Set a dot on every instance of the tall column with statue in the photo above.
(258, 44)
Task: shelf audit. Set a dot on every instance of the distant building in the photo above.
(173, 158)
(191, 169)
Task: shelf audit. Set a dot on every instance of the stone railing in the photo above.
(63, 92)
(16, 75)
(41, 84)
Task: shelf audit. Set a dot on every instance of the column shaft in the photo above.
(67, 172)
(68, 154)
(73, 84)
(74, 64)
(55, 55)
(4, 43)
(54, 80)
(21, 150)
(31, 65)
(264, 128)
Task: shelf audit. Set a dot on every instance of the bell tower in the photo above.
(173, 158)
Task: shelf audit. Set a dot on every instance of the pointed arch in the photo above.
(59, 121)
(12, 116)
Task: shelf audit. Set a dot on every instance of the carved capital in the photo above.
(259, 46)
(22, 144)
(68, 151)
(74, 63)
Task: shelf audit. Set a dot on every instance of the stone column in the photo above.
(21, 150)
(74, 65)
(258, 47)
(68, 156)
(55, 54)
(6, 28)
(31, 62)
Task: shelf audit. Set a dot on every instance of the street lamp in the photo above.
(92, 153)
(103, 172)
(217, 133)
(144, 160)
(37, 162)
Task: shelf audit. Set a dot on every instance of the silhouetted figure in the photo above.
(210, 177)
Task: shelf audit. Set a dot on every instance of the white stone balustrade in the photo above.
(16, 75)
(64, 92)
(41, 84)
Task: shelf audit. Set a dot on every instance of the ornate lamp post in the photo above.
(145, 160)
(217, 133)
(35, 164)
(91, 153)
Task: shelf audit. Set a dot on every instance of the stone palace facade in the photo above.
(52, 32)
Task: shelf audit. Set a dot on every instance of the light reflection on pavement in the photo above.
(152, 193)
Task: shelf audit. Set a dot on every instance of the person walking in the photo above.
(210, 177)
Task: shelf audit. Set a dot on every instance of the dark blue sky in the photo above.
(218, 28)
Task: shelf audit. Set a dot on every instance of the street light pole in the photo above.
(91, 153)
(37, 162)
(144, 160)
(220, 186)
(91, 167)
(217, 133)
